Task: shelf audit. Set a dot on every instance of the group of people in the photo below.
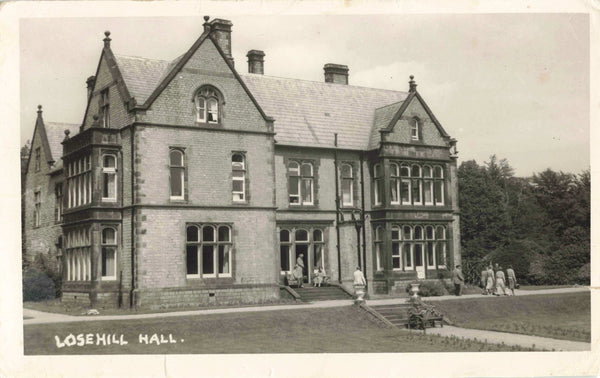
(494, 281)
(319, 275)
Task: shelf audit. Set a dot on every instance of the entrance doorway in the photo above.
(303, 249)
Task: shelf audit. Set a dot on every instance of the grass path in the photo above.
(332, 330)
(559, 316)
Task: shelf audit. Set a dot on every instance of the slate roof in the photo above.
(55, 133)
(306, 113)
(383, 117)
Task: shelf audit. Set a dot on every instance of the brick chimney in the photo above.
(336, 73)
(256, 62)
(90, 85)
(221, 31)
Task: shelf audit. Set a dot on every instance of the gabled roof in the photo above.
(308, 113)
(56, 134)
(142, 75)
(383, 117)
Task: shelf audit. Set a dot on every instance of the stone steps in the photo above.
(323, 293)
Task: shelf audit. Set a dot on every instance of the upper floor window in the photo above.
(300, 176)
(208, 251)
(347, 178)
(79, 181)
(105, 108)
(109, 253)
(38, 159)
(58, 202)
(378, 184)
(208, 105)
(415, 129)
(177, 173)
(416, 184)
(37, 199)
(109, 178)
(238, 175)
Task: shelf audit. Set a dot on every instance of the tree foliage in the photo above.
(540, 225)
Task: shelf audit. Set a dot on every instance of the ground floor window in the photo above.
(414, 247)
(307, 243)
(109, 253)
(208, 250)
(78, 255)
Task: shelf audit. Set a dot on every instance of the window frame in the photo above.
(378, 239)
(110, 171)
(415, 129)
(105, 107)
(182, 171)
(216, 245)
(310, 244)
(378, 186)
(78, 255)
(301, 178)
(58, 202)
(106, 246)
(204, 97)
(37, 208)
(347, 179)
(241, 179)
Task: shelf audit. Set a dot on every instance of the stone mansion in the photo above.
(189, 183)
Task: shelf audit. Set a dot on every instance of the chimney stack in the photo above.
(256, 62)
(221, 31)
(90, 85)
(336, 73)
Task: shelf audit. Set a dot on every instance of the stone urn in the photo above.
(359, 293)
(414, 289)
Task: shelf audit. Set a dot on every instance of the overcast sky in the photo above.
(514, 85)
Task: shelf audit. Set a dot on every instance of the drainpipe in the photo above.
(337, 209)
(362, 202)
(131, 291)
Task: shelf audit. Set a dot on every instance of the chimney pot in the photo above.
(336, 73)
(221, 30)
(256, 62)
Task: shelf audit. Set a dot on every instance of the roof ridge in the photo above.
(392, 104)
(141, 58)
(321, 82)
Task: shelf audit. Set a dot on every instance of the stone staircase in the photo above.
(397, 314)
(323, 293)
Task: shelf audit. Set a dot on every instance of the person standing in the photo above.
(512, 279)
(359, 277)
(500, 279)
(458, 279)
(484, 274)
(490, 281)
(299, 270)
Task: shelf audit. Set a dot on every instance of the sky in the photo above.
(513, 85)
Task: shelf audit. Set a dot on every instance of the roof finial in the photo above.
(412, 84)
(107, 39)
(67, 132)
(206, 24)
(39, 111)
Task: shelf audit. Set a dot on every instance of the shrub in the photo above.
(37, 286)
(429, 288)
(49, 265)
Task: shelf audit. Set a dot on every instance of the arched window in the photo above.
(378, 184)
(379, 247)
(109, 253)
(438, 185)
(300, 181)
(238, 175)
(285, 250)
(208, 105)
(394, 184)
(109, 178)
(193, 236)
(318, 247)
(347, 178)
(415, 131)
(416, 185)
(177, 173)
(406, 184)
(208, 250)
(427, 186)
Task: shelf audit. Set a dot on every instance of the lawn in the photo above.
(332, 330)
(559, 316)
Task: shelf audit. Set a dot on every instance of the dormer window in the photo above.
(208, 105)
(414, 129)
